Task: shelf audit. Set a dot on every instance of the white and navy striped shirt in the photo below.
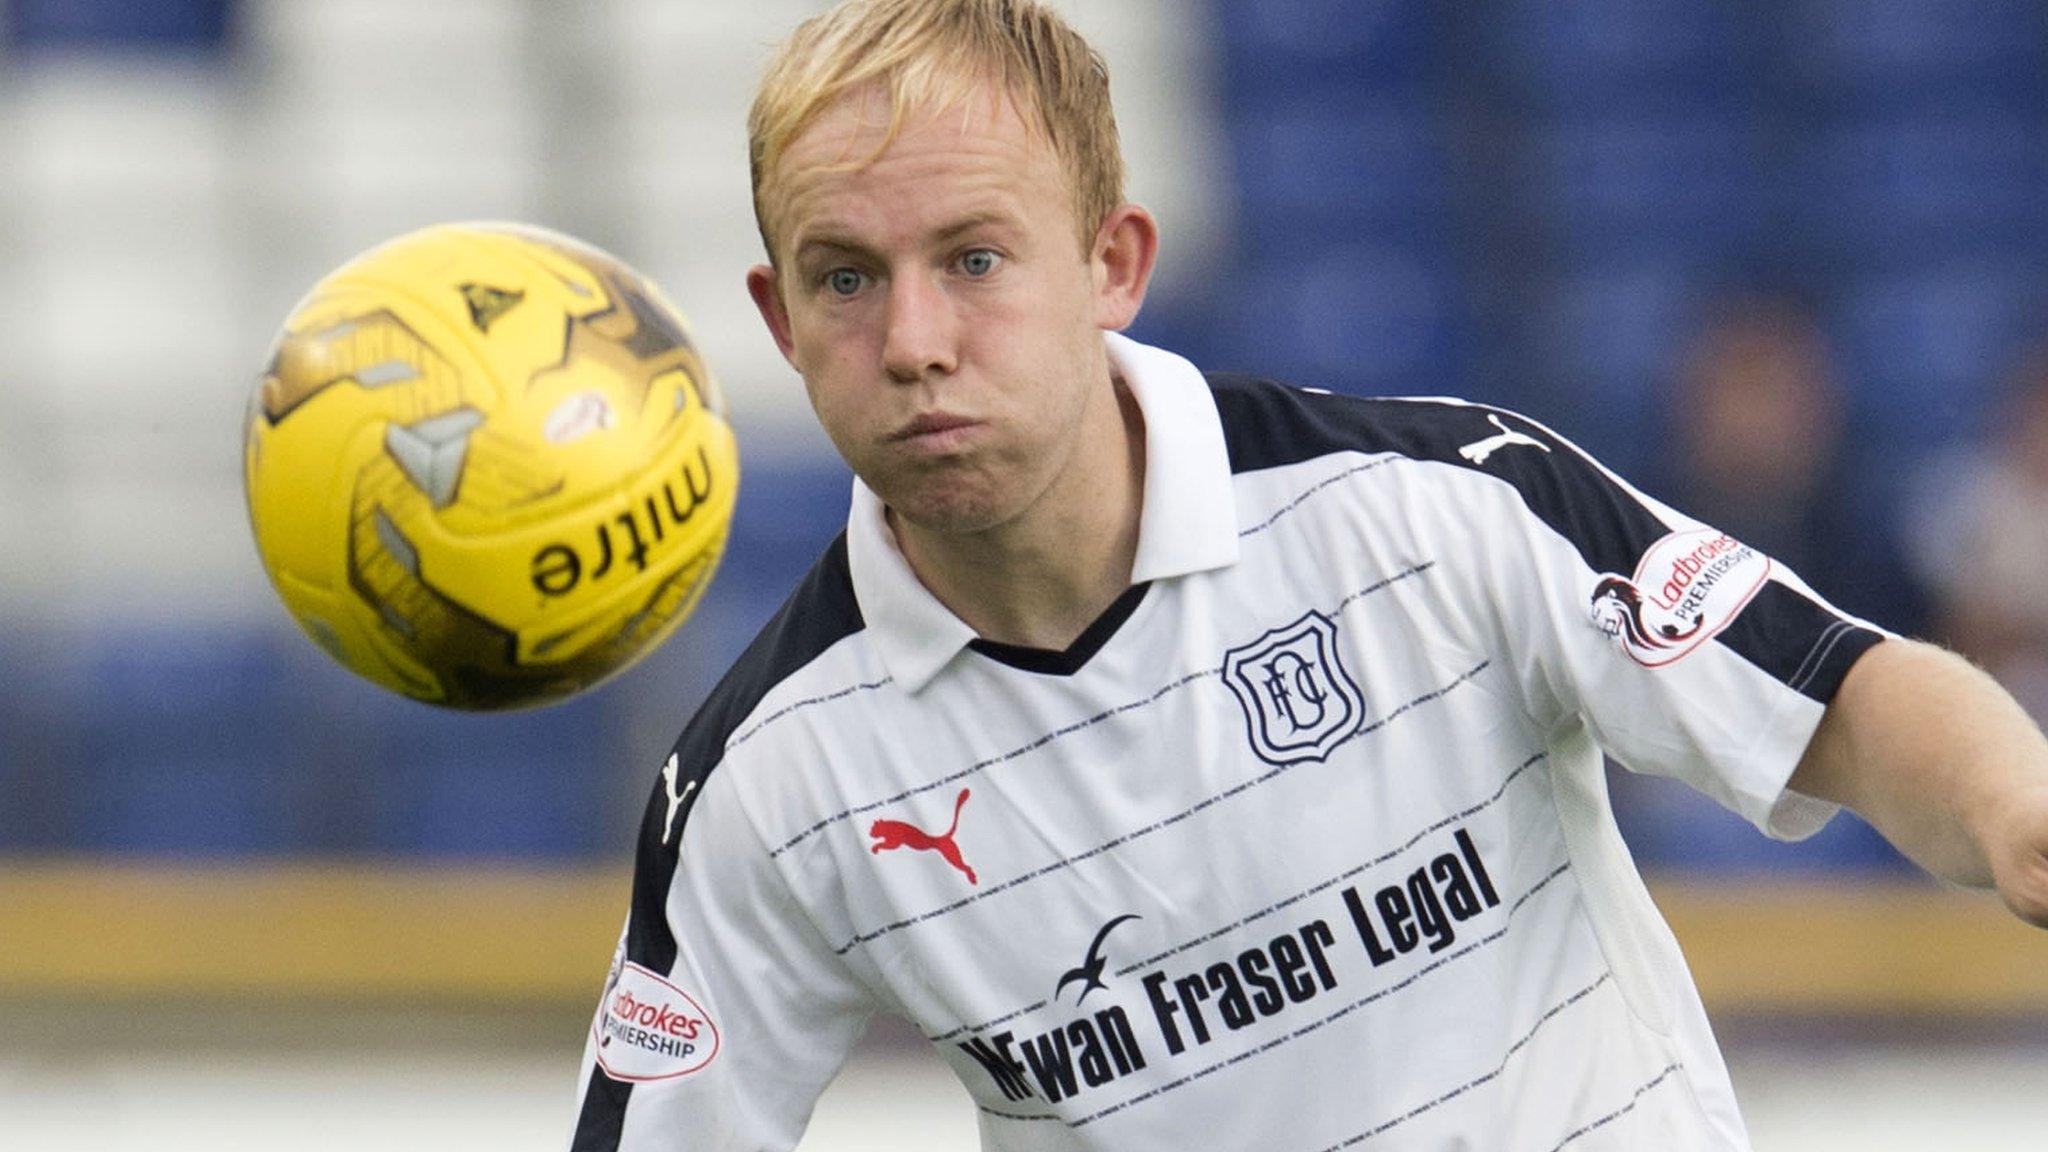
(1304, 845)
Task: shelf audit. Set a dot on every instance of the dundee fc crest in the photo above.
(1298, 701)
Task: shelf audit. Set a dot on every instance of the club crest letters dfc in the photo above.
(1299, 703)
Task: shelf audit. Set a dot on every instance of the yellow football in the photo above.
(486, 467)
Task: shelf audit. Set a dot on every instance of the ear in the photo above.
(1126, 246)
(766, 289)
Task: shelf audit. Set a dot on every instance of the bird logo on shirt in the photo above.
(1090, 970)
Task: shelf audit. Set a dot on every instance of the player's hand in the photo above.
(2016, 847)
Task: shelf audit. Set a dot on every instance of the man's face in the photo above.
(939, 306)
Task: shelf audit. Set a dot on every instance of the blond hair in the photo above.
(932, 55)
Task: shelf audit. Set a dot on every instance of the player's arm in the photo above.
(725, 1013)
(1942, 761)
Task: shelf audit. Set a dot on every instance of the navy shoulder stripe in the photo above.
(1268, 425)
(1799, 641)
(820, 612)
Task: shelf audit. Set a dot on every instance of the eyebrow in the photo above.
(974, 221)
(831, 242)
(812, 245)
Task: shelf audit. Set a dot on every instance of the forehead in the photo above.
(974, 155)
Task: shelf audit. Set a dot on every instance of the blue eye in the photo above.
(979, 262)
(843, 281)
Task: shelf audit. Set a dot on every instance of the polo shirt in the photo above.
(1305, 844)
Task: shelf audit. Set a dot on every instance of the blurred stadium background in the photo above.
(1782, 261)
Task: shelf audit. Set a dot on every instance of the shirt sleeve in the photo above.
(724, 1013)
(1686, 652)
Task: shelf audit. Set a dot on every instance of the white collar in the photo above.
(1188, 522)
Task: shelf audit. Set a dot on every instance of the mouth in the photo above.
(936, 431)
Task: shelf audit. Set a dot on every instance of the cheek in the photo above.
(812, 344)
(1035, 333)
(836, 409)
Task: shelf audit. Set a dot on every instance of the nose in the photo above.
(920, 340)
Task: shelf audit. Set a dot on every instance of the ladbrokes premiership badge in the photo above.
(1299, 703)
(1688, 587)
(649, 1029)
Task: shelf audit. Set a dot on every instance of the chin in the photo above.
(950, 518)
(949, 510)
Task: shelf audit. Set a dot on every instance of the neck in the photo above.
(1041, 579)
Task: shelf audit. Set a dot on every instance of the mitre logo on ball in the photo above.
(486, 466)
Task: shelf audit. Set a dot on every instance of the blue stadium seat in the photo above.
(40, 720)
(1925, 352)
(186, 750)
(1363, 48)
(1310, 173)
(1901, 53)
(1630, 188)
(522, 785)
(1604, 343)
(1190, 324)
(1589, 55)
(120, 25)
(211, 744)
(1908, 191)
(1352, 318)
(789, 509)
